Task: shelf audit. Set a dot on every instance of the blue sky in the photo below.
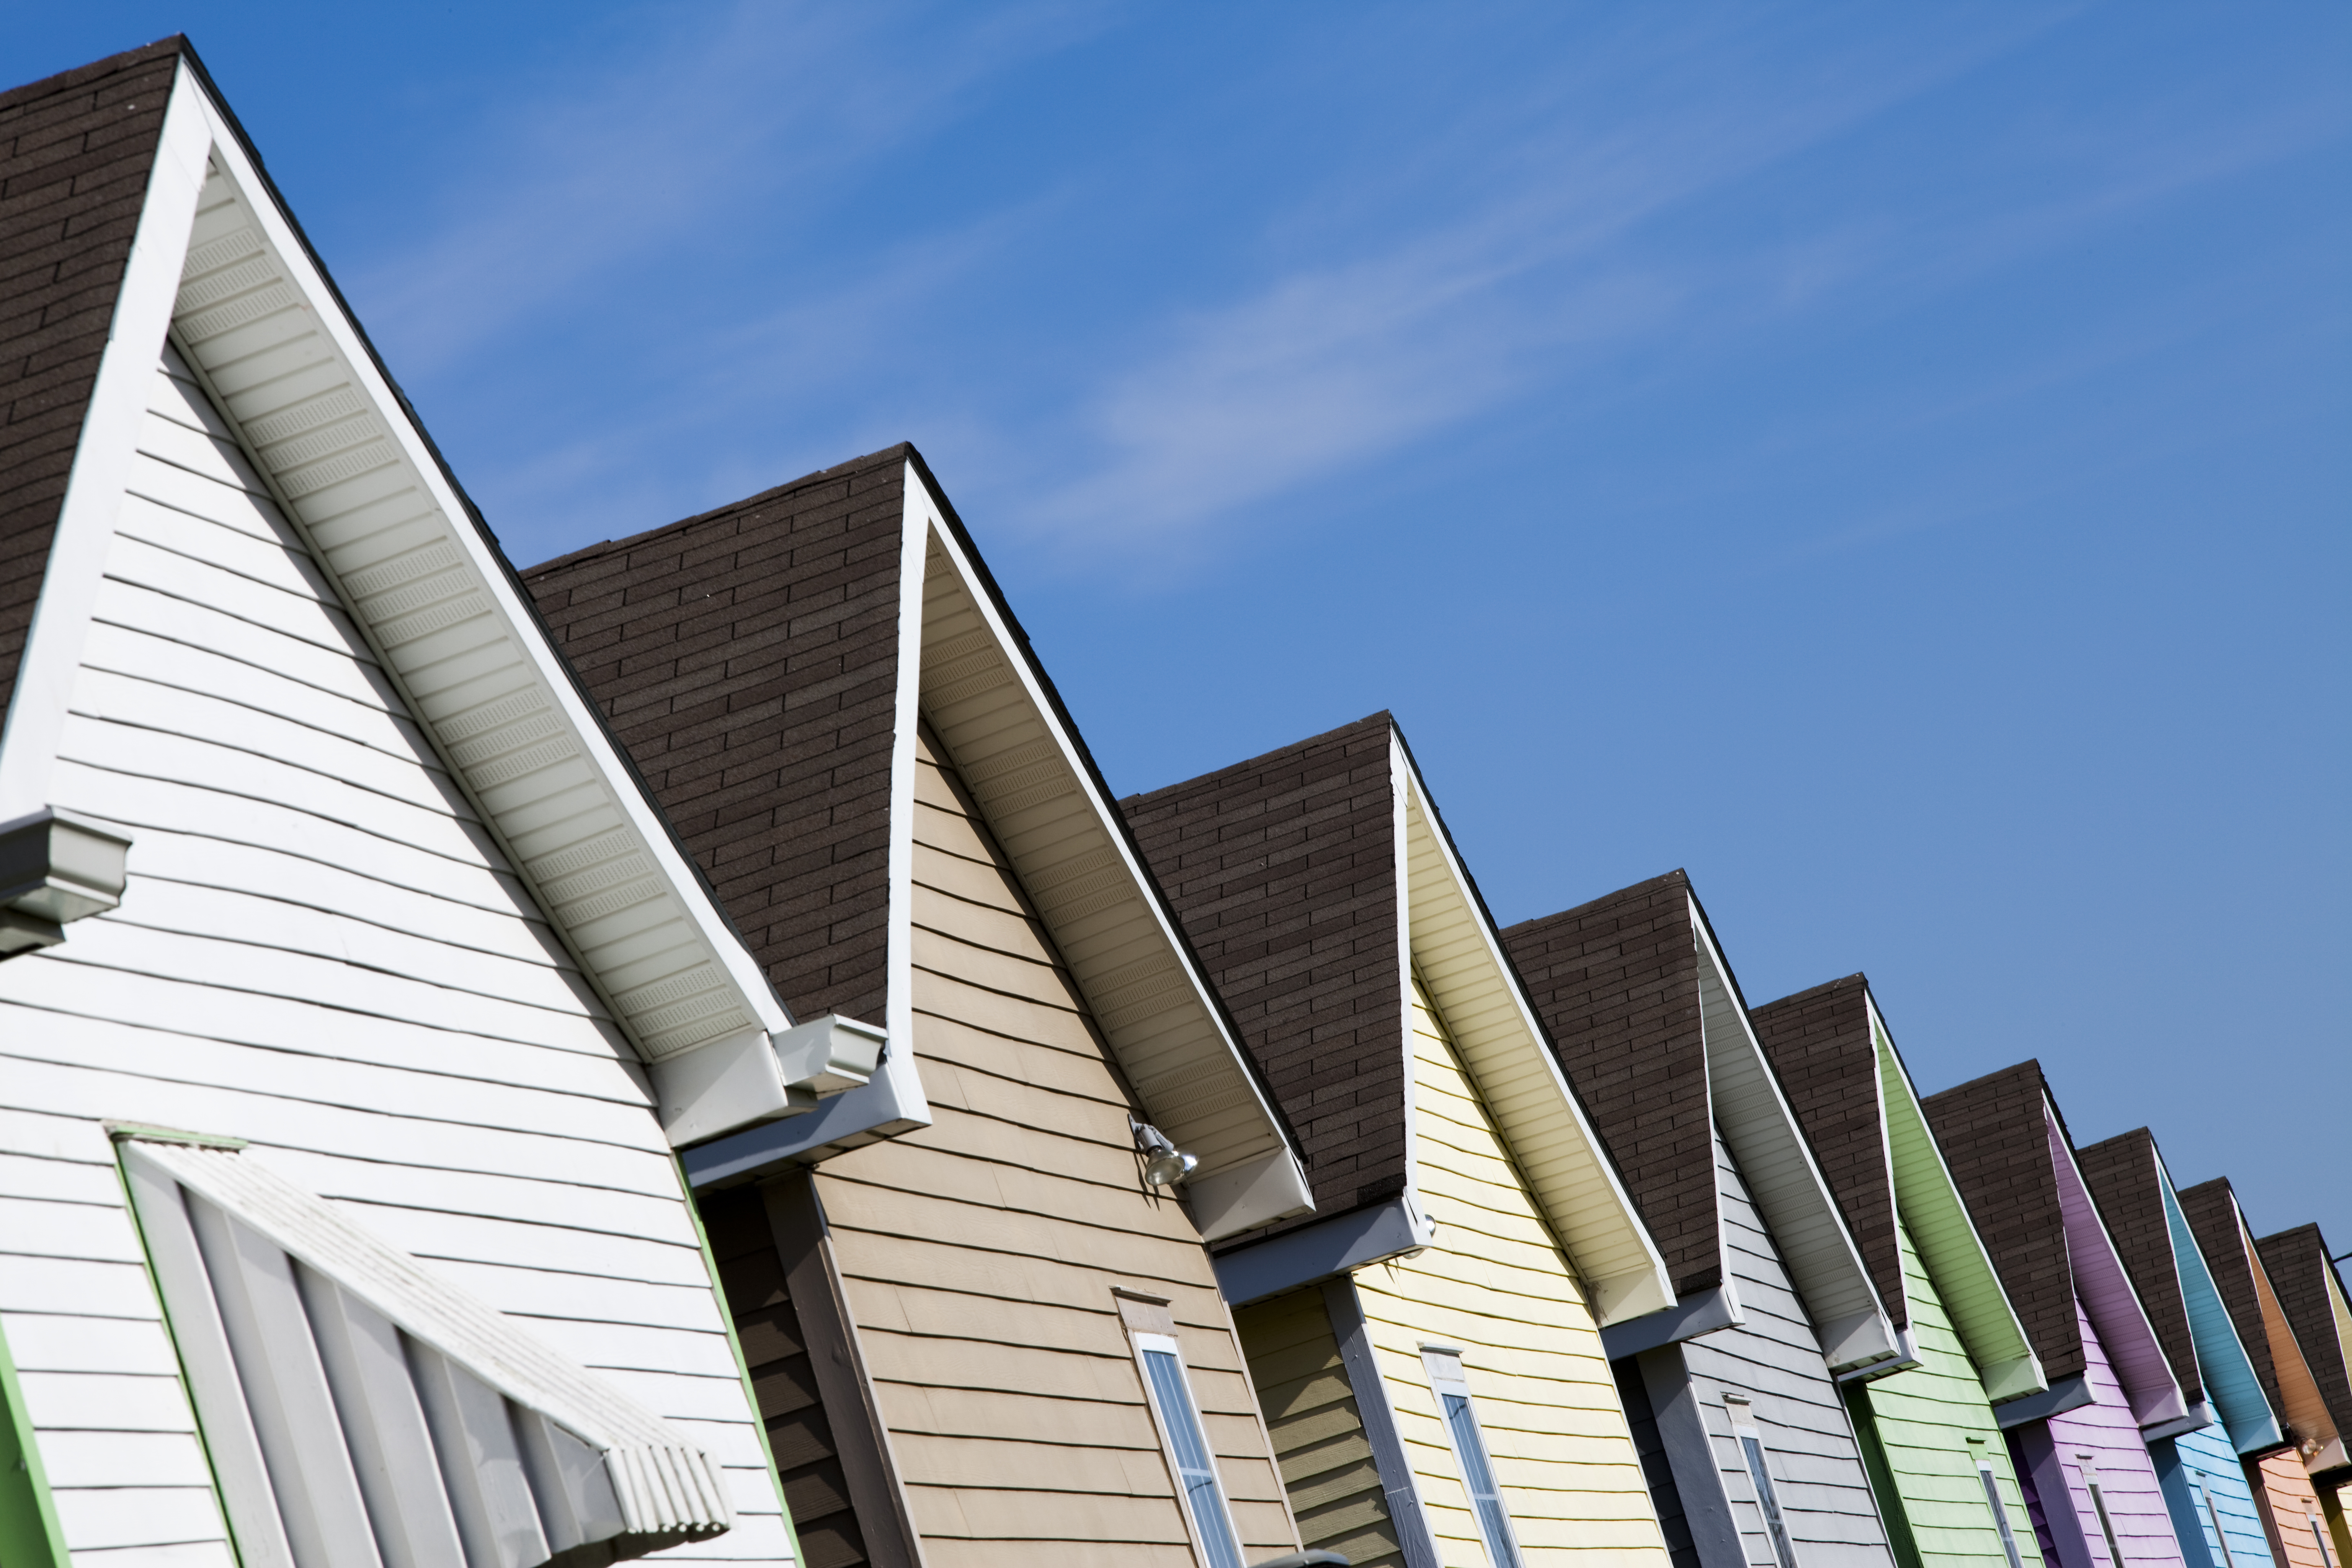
(1890, 461)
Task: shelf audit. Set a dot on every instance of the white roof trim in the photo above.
(1066, 841)
(1787, 1184)
(1461, 961)
(103, 453)
(664, 1485)
(2105, 1288)
(519, 737)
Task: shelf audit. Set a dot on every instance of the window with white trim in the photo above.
(1750, 1439)
(2229, 1559)
(1183, 1437)
(2319, 1534)
(363, 1412)
(2088, 1464)
(1986, 1473)
(1452, 1386)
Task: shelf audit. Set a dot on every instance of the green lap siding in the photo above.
(1924, 1419)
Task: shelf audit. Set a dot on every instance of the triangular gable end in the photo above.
(1459, 955)
(2311, 1294)
(2126, 1179)
(219, 273)
(2238, 1269)
(770, 666)
(1752, 1109)
(1636, 993)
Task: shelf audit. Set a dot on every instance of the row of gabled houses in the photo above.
(678, 1049)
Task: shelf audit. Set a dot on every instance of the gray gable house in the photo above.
(1733, 1390)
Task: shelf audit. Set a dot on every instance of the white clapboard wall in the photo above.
(319, 950)
(1775, 1360)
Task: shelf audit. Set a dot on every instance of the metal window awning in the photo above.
(363, 1413)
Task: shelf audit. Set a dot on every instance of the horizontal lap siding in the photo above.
(2206, 1454)
(1925, 1418)
(319, 951)
(1318, 1433)
(1496, 1285)
(2287, 1492)
(1775, 1359)
(2104, 1428)
(979, 1256)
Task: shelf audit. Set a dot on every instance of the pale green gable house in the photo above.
(1933, 1445)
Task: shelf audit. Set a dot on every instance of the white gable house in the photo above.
(354, 992)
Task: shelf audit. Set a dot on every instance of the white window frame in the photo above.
(1447, 1378)
(1990, 1480)
(1750, 1439)
(2319, 1534)
(2212, 1515)
(1205, 1546)
(2087, 1464)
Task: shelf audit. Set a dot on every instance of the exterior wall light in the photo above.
(1164, 1165)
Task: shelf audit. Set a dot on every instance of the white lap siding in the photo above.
(321, 951)
(1775, 1360)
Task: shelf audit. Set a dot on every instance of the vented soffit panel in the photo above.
(261, 325)
(1459, 955)
(607, 1471)
(984, 700)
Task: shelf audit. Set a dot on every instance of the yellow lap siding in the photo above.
(1496, 1285)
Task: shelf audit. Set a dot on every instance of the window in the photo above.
(2088, 1464)
(1992, 1499)
(2213, 1517)
(2319, 1534)
(1187, 1444)
(1751, 1446)
(360, 1411)
(1451, 1387)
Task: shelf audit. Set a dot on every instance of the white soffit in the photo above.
(1455, 949)
(259, 324)
(1153, 1010)
(2109, 1299)
(1775, 1161)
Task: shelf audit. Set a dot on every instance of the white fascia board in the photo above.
(1831, 1265)
(1408, 973)
(2105, 1288)
(918, 521)
(516, 617)
(927, 524)
(104, 451)
(1636, 1282)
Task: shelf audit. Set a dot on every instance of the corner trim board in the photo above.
(1398, 1494)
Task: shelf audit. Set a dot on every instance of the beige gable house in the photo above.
(975, 1293)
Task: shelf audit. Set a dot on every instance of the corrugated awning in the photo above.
(363, 1413)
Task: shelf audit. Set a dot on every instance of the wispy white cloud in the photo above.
(703, 133)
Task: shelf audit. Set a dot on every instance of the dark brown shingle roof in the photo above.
(1819, 1042)
(2297, 1261)
(748, 659)
(1995, 1135)
(1616, 983)
(1284, 872)
(75, 154)
(2211, 1210)
(2126, 1181)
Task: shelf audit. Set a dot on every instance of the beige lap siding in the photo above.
(1495, 1285)
(980, 1254)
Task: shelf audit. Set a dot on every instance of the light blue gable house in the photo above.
(2202, 1471)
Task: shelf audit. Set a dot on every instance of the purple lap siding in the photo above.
(2048, 1461)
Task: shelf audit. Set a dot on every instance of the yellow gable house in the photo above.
(1426, 1347)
